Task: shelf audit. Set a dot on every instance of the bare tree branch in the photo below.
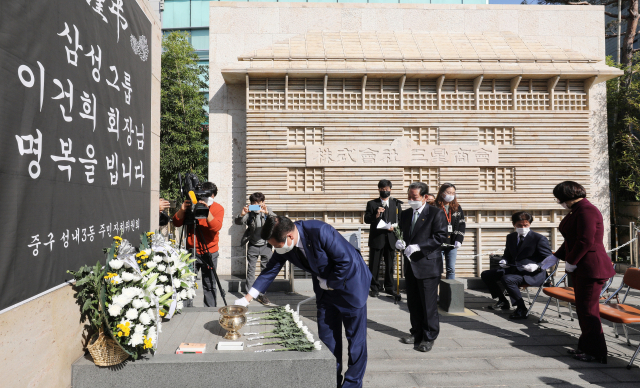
(615, 15)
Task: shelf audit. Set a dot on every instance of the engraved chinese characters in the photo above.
(401, 152)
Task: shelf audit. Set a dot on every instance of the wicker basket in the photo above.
(105, 351)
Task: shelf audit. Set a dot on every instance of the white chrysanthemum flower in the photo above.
(183, 294)
(136, 339)
(131, 314)
(140, 328)
(288, 308)
(114, 310)
(305, 330)
(167, 289)
(132, 292)
(180, 305)
(152, 314)
(128, 276)
(310, 337)
(157, 258)
(145, 304)
(121, 300)
(295, 317)
(317, 345)
(163, 278)
(137, 304)
(192, 293)
(116, 264)
(171, 270)
(116, 279)
(144, 318)
(159, 291)
(299, 324)
(176, 283)
(162, 267)
(151, 264)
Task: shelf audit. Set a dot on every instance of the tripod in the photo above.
(190, 221)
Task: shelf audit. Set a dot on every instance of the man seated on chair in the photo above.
(520, 265)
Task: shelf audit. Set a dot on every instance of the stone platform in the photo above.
(214, 368)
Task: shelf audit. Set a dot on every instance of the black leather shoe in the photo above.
(588, 358)
(389, 291)
(500, 306)
(410, 340)
(425, 346)
(374, 294)
(575, 351)
(519, 314)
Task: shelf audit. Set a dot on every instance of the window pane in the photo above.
(176, 14)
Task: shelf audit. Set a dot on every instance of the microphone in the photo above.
(397, 200)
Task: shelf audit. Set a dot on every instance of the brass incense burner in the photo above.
(232, 319)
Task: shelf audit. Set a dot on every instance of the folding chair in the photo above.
(566, 294)
(548, 280)
(622, 313)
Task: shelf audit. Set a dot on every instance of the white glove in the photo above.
(241, 302)
(549, 262)
(400, 245)
(411, 249)
(457, 244)
(531, 267)
(503, 263)
(323, 284)
(569, 267)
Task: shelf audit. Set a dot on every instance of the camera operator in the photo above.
(258, 247)
(209, 229)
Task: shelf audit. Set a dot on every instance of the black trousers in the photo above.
(511, 282)
(375, 258)
(422, 300)
(208, 281)
(592, 340)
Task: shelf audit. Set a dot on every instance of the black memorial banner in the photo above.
(75, 119)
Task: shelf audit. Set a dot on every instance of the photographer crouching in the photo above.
(206, 241)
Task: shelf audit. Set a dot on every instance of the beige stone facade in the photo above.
(312, 104)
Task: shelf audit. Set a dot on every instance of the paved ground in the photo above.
(485, 349)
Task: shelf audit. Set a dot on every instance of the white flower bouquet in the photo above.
(170, 267)
(117, 300)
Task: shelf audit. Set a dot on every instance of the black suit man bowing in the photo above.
(424, 229)
(382, 239)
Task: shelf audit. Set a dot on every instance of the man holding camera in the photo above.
(381, 213)
(207, 240)
(254, 217)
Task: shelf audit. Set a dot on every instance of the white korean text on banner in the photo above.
(75, 117)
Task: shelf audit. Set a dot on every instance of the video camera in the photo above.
(192, 188)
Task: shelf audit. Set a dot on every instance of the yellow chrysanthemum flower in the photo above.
(147, 342)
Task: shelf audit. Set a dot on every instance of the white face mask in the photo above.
(209, 201)
(415, 205)
(522, 231)
(286, 248)
(448, 197)
(564, 205)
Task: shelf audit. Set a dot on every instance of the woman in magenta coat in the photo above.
(584, 253)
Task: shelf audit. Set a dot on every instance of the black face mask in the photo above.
(385, 194)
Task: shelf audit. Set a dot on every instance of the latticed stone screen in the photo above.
(306, 179)
(381, 94)
(300, 136)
